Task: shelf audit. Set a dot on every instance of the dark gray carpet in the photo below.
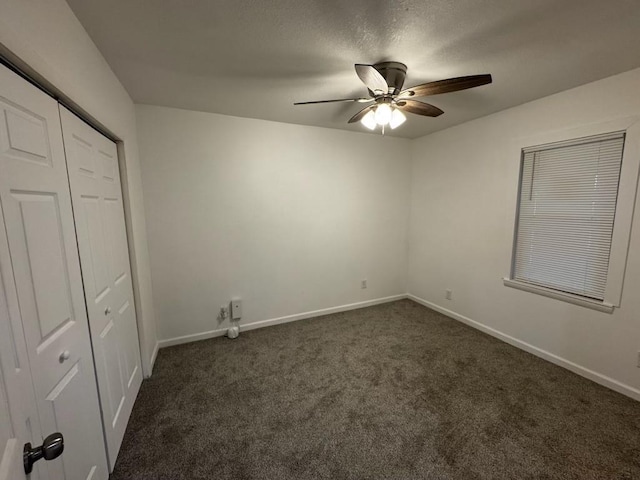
(395, 391)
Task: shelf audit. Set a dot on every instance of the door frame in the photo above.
(20, 67)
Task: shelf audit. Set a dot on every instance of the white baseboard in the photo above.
(562, 362)
(276, 321)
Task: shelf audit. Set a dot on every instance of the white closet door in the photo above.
(99, 215)
(19, 422)
(42, 278)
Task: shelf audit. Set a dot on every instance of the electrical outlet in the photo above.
(224, 312)
(447, 294)
(363, 284)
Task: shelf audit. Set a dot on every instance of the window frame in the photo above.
(623, 219)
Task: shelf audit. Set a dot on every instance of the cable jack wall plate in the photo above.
(236, 309)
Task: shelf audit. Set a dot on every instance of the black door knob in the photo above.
(51, 448)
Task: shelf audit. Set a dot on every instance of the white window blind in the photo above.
(567, 204)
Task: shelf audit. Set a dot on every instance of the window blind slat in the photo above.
(567, 205)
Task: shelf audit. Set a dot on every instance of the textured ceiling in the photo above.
(253, 58)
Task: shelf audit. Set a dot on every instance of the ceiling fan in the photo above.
(384, 82)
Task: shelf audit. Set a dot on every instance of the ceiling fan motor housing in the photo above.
(394, 73)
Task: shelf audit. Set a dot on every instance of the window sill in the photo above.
(565, 297)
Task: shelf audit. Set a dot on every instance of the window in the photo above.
(567, 202)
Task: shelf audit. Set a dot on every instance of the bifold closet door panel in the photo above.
(43, 284)
(102, 241)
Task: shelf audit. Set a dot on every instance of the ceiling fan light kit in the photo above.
(383, 115)
(384, 82)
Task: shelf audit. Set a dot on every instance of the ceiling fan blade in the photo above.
(446, 86)
(359, 100)
(358, 116)
(419, 108)
(372, 78)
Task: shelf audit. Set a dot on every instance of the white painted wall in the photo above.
(289, 218)
(47, 36)
(464, 187)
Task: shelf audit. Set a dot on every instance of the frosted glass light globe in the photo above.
(369, 120)
(397, 118)
(383, 114)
